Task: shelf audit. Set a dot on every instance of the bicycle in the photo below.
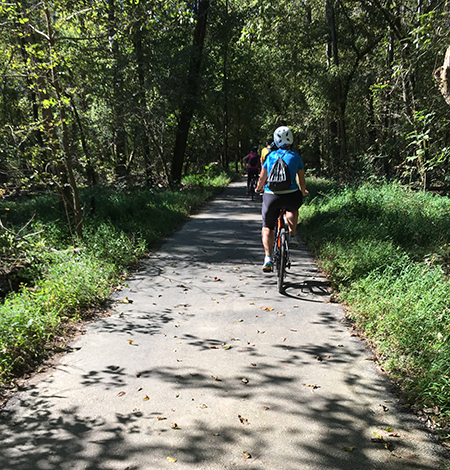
(280, 254)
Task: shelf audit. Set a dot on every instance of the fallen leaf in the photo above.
(385, 408)
(293, 329)
(253, 364)
(216, 378)
(313, 387)
(266, 408)
(172, 460)
(377, 438)
(243, 420)
(240, 320)
(247, 455)
(227, 347)
(130, 341)
(252, 303)
(244, 380)
(349, 449)
(175, 426)
(146, 398)
(283, 340)
(203, 406)
(121, 394)
(213, 347)
(161, 418)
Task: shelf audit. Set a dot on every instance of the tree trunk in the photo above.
(142, 105)
(119, 133)
(336, 128)
(75, 203)
(225, 92)
(188, 106)
(442, 75)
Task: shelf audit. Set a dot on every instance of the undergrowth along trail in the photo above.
(57, 281)
(386, 250)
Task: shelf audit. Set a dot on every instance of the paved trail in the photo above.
(211, 367)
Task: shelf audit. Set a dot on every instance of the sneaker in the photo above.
(294, 241)
(268, 265)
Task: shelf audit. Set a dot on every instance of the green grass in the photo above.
(386, 251)
(59, 282)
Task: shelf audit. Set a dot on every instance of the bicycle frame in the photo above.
(281, 249)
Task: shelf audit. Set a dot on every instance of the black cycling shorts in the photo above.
(252, 173)
(272, 203)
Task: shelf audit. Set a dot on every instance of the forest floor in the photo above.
(201, 362)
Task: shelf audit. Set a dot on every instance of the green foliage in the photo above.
(29, 318)
(404, 311)
(385, 249)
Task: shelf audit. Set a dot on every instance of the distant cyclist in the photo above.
(267, 149)
(253, 166)
(290, 199)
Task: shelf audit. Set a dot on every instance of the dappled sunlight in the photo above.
(202, 362)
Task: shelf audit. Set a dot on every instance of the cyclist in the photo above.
(253, 166)
(267, 149)
(290, 199)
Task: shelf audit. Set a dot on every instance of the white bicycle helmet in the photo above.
(283, 137)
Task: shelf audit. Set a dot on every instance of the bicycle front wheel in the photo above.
(281, 260)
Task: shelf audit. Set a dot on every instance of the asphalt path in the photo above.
(202, 364)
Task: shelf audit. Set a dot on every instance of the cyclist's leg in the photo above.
(251, 174)
(293, 202)
(292, 220)
(267, 236)
(270, 211)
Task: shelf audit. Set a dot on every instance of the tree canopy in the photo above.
(100, 92)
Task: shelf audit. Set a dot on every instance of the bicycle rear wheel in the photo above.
(252, 188)
(281, 259)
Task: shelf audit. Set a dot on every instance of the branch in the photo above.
(39, 32)
(70, 38)
(17, 235)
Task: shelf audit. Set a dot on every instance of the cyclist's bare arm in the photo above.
(262, 181)
(301, 182)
